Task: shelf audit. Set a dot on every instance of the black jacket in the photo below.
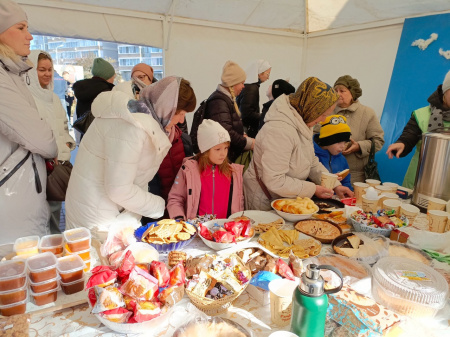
(266, 107)
(220, 108)
(248, 102)
(412, 133)
(87, 90)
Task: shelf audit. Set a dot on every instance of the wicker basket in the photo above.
(359, 227)
(214, 307)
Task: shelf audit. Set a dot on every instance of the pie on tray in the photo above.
(321, 230)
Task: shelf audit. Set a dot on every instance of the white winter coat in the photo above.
(284, 156)
(119, 154)
(50, 109)
(23, 211)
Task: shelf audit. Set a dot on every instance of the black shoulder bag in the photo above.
(371, 169)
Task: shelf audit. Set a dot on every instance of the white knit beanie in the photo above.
(446, 83)
(10, 14)
(210, 133)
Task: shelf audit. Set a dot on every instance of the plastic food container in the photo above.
(78, 239)
(28, 245)
(88, 266)
(42, 267)
(52, 243)
(408, 287)
(72, 287)
(12, 274)
(84, 254)
(14, 308)
(44, 286)
(13, 296)
(46, 296)
(70, 268)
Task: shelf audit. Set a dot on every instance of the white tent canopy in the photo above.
(300, 38)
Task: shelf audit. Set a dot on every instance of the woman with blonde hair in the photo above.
(221, 107)
(50, 109)
(25, 138)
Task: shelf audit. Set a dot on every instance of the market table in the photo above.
(78, 321)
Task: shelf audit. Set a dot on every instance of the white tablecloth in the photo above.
(77, 321)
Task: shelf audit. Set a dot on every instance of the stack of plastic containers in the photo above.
(13, 287)
(78, 242)
(26, 246)
(70, 269)
(52, 243)
(44, 281)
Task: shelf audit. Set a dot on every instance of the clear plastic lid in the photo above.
(76, 234)
(70, 264)
(26, 245)
(57, 278)
(12, 305)
(12, 269)
(58, 288)
(24, 287)
(41, 262)
(51, 241)
(411, 280)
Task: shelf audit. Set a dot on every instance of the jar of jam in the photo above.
(45, 285)
(14, 308)
(52, 243)
(13, 296)
(72, 287)
(70, 268)
(78, 239)
(45, 297)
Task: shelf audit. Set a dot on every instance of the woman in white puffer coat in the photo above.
(120, 153)
(25, 139)
(50, 109)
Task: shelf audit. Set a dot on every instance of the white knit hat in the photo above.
(446, 83)
(210, 133)
(10, 14)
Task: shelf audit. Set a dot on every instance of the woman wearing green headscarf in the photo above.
(284, 164)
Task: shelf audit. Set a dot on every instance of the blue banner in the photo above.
(416, 75)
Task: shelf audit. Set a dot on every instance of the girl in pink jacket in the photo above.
(207, 183)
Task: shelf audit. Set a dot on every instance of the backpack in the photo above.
(199, 115)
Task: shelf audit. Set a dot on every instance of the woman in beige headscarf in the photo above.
(120, 153)
(284, 156)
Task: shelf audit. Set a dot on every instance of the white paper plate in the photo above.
(258, 217)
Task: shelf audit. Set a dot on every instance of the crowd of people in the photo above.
(137, 159)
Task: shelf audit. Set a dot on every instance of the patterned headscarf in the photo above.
(312, 98)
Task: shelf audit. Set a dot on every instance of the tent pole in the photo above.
(305, 43)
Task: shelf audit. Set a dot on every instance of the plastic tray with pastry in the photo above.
(295, 209)
(322, 230)
(167, 234)
(361, 247)
(261, 221)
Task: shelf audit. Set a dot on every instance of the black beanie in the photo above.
(280, 87)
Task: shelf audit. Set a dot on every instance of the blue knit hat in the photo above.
(103, 69)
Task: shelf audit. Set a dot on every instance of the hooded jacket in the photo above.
(334, 164)
(248, 102)
(120, 153)
(50, 109)
(284, 156)
(87, 90)
(184, 197)
(23, 210)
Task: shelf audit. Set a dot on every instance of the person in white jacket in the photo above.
(50, 109)
(25, 138)
(120, 153)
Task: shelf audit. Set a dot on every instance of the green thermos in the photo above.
(310, 302)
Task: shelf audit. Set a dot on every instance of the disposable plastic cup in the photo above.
(281, 292)
(328, 180)
(437, 221)
(373, 182)
(369, 205)
(359, 191)
(392, 204)
(393, 186)
(409, 211)
(436, 204)
(387, 195)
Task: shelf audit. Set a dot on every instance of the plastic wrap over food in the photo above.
(107, 299)
(213, 326)
(120, 234)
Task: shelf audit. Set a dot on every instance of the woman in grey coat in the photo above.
(25, 138)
